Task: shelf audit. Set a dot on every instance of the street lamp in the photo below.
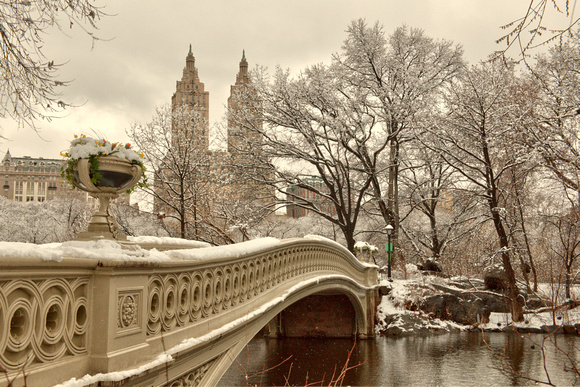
(389, 250)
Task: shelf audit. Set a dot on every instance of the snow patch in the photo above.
(227, 251)
(29, 250)
(167, 240)
(109, 250)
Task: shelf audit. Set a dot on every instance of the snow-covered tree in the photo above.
(301, 141)
(393, 80)
(55, 220)
(178, 167)
(336, 131)
(480, 140)
(435, 211)
(556, 133)
(134, 222)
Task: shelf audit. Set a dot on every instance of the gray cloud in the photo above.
(122, 78)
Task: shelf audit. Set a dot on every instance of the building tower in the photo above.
(191, 92)
(243, 117)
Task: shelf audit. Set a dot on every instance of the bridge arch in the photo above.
(349, 288)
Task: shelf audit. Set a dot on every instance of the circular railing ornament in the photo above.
(115, 177)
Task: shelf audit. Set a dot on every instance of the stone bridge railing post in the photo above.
(119, 319)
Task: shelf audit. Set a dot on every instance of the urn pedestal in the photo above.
(116, 176)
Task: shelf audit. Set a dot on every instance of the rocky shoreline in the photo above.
(428, 304)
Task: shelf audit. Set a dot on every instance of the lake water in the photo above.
(455, 359)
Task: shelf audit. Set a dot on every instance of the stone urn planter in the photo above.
(113, 177)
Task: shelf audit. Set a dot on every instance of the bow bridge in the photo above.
(125, 315)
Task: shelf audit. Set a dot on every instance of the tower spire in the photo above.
(242, 76)
(190, 61)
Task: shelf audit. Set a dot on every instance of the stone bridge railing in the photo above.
(131, 313)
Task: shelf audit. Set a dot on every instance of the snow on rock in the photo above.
(393, 317)
(398, 312)
(546, 321)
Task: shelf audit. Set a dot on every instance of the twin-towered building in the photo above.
(190, 91)
(222, 182)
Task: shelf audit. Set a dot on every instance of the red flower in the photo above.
(128, 146)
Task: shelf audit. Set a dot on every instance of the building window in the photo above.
(29, 188)
(18, 188)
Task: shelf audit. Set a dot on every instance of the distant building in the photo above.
(226, 173)
(301, 198)
(28, 179)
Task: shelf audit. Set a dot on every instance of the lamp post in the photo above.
(389, 250)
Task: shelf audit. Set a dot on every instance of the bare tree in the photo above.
(446, 214)
(555, 135)
(135, 222)
(566, 228)
(396, 79)
(484, 122)
(56, 220)
(179, 166)
(30, 81)
(344, 124)
(536, 27)
(301, 145)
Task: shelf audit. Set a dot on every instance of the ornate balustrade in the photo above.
(60, 320)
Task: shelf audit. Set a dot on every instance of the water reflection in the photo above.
(466, 359)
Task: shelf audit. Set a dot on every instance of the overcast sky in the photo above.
(134, 69)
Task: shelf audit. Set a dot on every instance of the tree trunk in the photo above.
(516, 302)
(524, 231)
(568, 282)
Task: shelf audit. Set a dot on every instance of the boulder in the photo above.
(537, 303)
(468, 284)
(492, 303)
(451, 307)
(494, 278)
(430, 265)
(407, 324)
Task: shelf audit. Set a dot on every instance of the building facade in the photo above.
(28, 179)
(303, 198)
